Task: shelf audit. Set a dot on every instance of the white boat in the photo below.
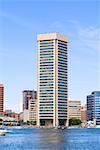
(17, 127)
(97, 126)
(62, 127)
(3, 132)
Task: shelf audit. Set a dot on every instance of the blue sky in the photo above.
(22, 20)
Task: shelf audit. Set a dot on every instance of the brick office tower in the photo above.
(1, 97)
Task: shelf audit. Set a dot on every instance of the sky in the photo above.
(22, 20)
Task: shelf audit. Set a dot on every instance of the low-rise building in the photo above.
(10, 113)
(83, 114)
(74, 107)
(33, 111)
(25, 115)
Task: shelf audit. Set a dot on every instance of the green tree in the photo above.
(74, 121)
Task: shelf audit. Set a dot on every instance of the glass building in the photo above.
(93, 106)
(52, 79)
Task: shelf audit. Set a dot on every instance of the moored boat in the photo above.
(3, 131)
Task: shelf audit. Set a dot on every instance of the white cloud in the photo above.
(89, 37)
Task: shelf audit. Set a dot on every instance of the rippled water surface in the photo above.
(51, 139)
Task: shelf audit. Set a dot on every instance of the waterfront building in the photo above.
(16, 116)
(83, 114)
(1, 98)
(10, 113)
(33, 111)
(21, 116)
(52, 79)
(5, 120)
(74, 107)
(28, 96)
(25, 115)
(7, 111)
(93, 107)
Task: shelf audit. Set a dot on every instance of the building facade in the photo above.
(83, 114)
(74, 108)
(27, 95)
(93, 107)
(52, 79)
(1, 98)
(33, 111)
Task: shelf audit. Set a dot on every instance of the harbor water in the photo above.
(51, 139)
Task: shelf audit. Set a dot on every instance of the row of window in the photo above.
(62, 53)
(62, 96)
(64, 59)
(46, 82)
(60, 49)
(62, 46)
(62, 43)
(45, 51)
(43, 92)
(46, 71)
(46, 110)
(62, 63)
(46, 76)
(49, 79)
(47, 62)
(46, 65)
(46, 85)
(46, 56)
(48, 99)
(62, 79)
(46, 47)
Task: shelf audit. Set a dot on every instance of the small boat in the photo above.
(97, 126)
(17, 127)
(62, 128)
(3, 132)
(57, 127)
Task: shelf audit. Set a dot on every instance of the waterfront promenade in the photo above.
(51, 139)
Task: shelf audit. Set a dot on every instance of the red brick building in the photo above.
(83, 114)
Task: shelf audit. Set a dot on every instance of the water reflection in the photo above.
(52, 139)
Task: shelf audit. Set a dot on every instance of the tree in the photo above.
(74, 121)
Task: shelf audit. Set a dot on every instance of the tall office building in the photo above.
(52, 79)
(1, 97)
(93, 106)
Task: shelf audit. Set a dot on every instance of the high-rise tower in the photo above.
(52, 79)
